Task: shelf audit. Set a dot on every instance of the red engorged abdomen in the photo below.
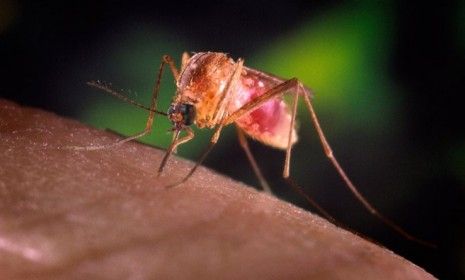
(267, 116)
(270, 123)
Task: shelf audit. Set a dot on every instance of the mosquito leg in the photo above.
(226, 98)
(184, 59)
(243, 142)
(152, 110)
(329, 153)
(174, 144)
(204, 155)
(169, 60)
(287, 161)
(310, 200)
(281, 89)
(289, 180)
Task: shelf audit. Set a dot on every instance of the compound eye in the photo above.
(171, 109)
(188, 113)
(182, 114)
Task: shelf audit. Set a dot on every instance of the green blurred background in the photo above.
(385, 77)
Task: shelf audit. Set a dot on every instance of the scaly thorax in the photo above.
(203, 84)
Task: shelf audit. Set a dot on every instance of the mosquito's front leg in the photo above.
(174, 70)
(166, 59)
(212, 143)
(174, 144)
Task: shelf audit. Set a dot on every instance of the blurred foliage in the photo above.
(341, 55)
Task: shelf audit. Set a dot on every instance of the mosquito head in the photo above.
(181, 114)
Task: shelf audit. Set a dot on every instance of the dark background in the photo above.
(409, 162)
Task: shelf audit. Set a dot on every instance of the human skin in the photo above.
(67, 214)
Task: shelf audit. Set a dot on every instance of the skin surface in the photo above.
(103, 214)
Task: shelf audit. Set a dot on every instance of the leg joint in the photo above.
(166, 58)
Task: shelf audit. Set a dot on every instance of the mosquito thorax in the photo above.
(181, 114)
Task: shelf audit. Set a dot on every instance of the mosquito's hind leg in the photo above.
(204, 155)
(166, 59)
(299, 89)
(245, 146)
(330, 155)
(289, 180)
(287, 162)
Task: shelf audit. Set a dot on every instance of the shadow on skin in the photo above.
(104, 214)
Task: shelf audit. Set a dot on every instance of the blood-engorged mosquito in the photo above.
(213, 91)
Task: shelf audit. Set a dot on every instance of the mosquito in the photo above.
(213, 91)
